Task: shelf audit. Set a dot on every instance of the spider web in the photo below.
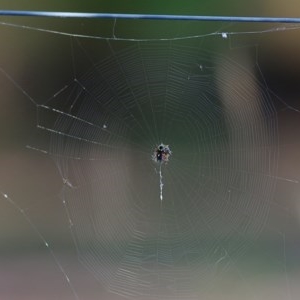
(203, 95)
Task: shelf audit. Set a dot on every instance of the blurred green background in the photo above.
(41, 64)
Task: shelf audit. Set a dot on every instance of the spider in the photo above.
(161, 153)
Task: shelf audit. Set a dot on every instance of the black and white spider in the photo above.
(161, 153)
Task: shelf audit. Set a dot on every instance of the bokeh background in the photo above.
(28, 270)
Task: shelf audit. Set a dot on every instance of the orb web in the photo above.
(217, 188)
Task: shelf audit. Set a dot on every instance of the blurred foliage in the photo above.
(137, 6)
